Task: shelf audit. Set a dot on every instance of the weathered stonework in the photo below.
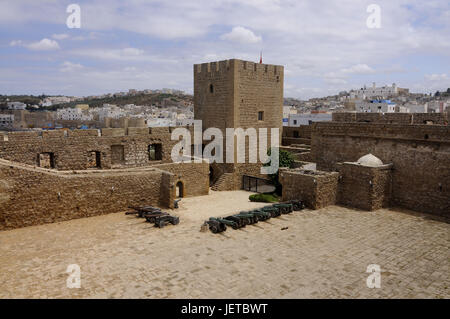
(420, 155)
(363, 187)
(31, 196)
(238, 94)
(318, 189)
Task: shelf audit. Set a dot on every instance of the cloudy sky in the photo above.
(325, 46)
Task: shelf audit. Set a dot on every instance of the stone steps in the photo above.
(224, 183)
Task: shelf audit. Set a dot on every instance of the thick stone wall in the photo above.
(71, 149)
(392, 118)
(194, 176)
(420, 155)
(363, 187)
(231, 94)
(318, 189)
(31, 196)
(296, 135)
(302, 131)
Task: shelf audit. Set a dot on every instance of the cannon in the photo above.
(247, 218)
(284, 208)
(296, 204)
(261, 215)
(151, 216)
(215, 225)
(239, 221)
(273, 211)
(140, 211)
(162, 220)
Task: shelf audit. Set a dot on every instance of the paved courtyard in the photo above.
(322, 254)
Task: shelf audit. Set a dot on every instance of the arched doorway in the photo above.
(179, 193)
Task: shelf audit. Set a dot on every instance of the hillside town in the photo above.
(175, 108)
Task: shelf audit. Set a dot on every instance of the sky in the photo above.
(325, 46)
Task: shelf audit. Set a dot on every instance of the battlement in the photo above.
(225, 66)
(105, 132)
(416, 132)
(393, 118)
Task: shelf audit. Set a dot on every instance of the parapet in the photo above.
(138, 131)
(392, 118)
(211, 68)
(113, 132)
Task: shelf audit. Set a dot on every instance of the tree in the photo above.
(437, 93)
(286, 159)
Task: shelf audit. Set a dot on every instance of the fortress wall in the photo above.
(29, 195)
(194, 176)
(303, 131)
(317, 189)
(392, 118)
(72, 149)
(420, 155)
(35, 196)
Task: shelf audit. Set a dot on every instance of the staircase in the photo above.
(224, 183)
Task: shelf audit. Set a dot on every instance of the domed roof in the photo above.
(370, 160)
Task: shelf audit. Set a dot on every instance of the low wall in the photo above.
(420, 155)
(363, 187)
(317, 189)
(392, 118)
(32, 196)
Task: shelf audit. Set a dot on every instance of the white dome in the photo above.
(370, 160)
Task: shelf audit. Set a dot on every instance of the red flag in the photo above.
(260, 58)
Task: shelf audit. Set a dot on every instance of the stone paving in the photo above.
(322, 254)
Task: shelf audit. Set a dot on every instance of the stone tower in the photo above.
(238, 94)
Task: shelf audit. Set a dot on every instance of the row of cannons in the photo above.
(154, 215)
(242, 219)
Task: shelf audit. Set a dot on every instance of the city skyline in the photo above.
(325, 47)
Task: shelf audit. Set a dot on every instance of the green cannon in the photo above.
(284, 208)
(241, 222)
(218, 225)
(246, 218)
(296, 204)
(273, 211)
(260, 214)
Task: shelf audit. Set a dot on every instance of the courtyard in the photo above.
(307, 254)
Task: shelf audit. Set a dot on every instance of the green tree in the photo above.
(286, 159)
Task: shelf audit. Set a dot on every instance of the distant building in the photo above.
(375, 106)
(377, 92)
(287, 111)
(6, 120)
(16, 106)
(308, 118)
(73, 114)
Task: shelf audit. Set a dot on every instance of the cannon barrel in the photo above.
(284, 208)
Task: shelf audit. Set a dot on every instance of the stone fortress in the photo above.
(366, 161)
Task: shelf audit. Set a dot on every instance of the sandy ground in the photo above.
(323, 253)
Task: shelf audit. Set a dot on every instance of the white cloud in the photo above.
(436, 77)
(60, 36)
(335, 81)
(241, 35)
(15, 43)
(322, 44)
(43, 45)
(358, 69)
(70, 67)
